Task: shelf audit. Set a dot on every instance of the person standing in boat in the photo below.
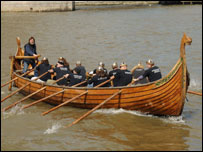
(124, 75)
(153, 72)
(99, 78)
(60, 70)
(74, 77)
(81, 69)
(114, 72)
(138, 71)
(30, 50)
(42, 68)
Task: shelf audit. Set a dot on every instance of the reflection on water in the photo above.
(130, 35)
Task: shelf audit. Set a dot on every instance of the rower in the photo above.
(114, 72)
(66, 64)
(124, 75)
(99, 78)
(42, 68)
(60, 70)
(81, 69)
(74, 77)
(153, 72)
(101, 64)
(138, 71)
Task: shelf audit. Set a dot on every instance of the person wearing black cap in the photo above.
(74, 77)
(44, 67)
(60, 70)
(99, 78)
(124, 75)
(114, 72)
(153, 72)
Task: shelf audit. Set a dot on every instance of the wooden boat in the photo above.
(164, 97)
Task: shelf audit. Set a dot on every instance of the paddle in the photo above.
(22, 88)
(50, 96)
(17, 102)
(66, 102)
(95, 108)
(193, 92)
(20, 75)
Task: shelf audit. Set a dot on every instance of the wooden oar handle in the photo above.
(20, 75)
(196, 93)
(58, 80)
(64, 103)
(101, 84)
(54, 94)
(27, 57)
(15, 92)
(41, 75)
(95, 108)
(10, 106)
(8, 82)
(40, 100)
(79, 83)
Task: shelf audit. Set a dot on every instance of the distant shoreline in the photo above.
(100, 3)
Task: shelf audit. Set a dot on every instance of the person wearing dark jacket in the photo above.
(138, 71)
(99, 78)
(30, 50)
(81, 70)
(113, 73)
(101, 64)
(153, 72)
(74, 77)
(44, 67)
(124, 75)
(66, 64)
(60, 70)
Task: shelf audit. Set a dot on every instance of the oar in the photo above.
(14, 92)
(21, 88)
(95, 108)
(196, 93)
(131, 83)
(21, 100)
(54, 94)
(20, 75)
(66, 102)
(101, 84)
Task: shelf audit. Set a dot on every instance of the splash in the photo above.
(174, 119)
(171, 119)
(15, 110)
(53, 129)
(118, 111)
(195, 84)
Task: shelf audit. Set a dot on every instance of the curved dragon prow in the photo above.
(186, 40)
(20, 51)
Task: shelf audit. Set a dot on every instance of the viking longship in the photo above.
(164, 97)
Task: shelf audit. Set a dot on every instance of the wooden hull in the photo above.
(163, 97)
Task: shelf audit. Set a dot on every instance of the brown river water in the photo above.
(129, 34)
